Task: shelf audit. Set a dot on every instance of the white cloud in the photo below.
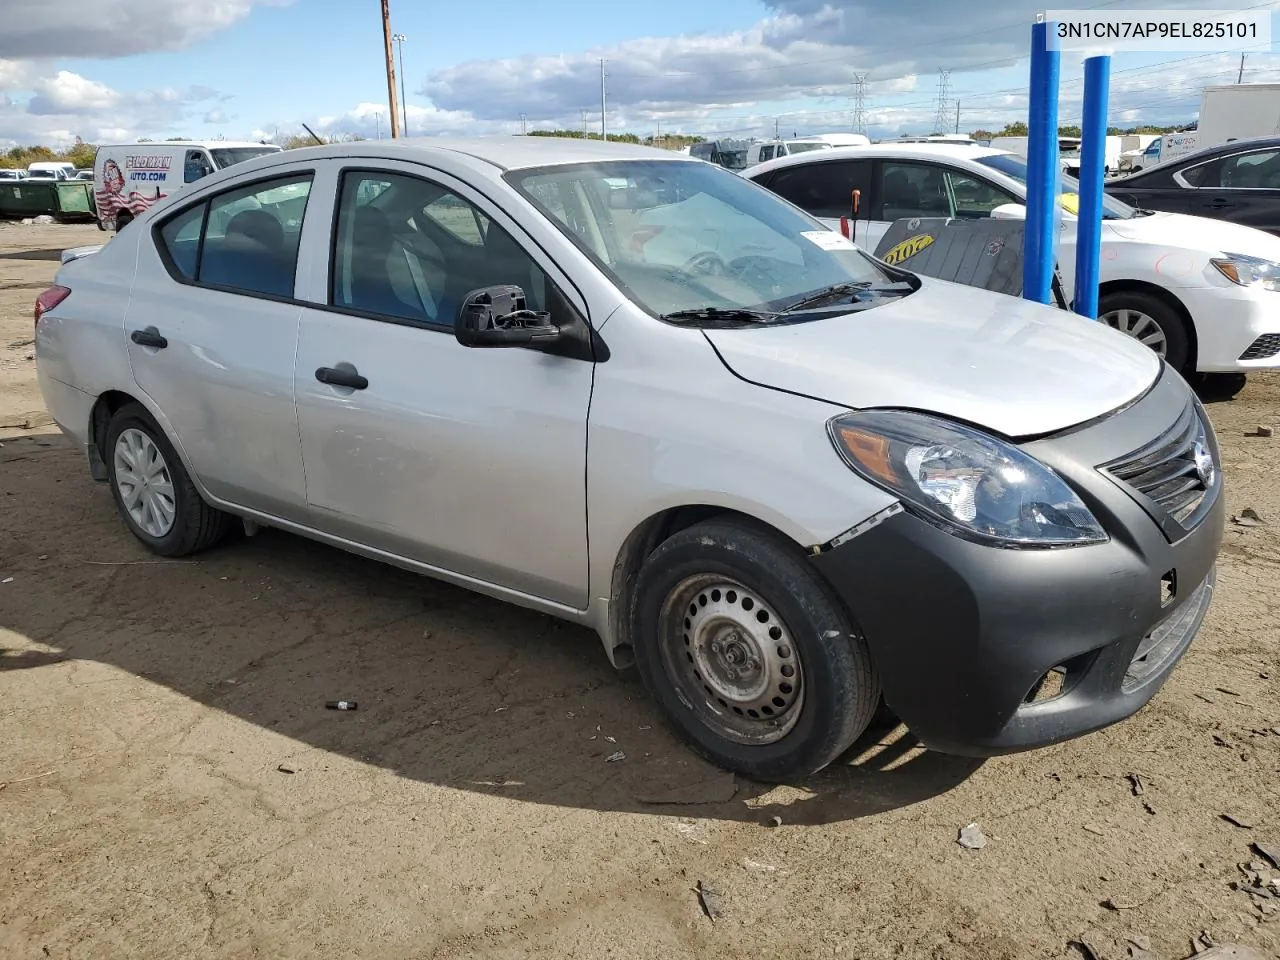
(55, 109)
(38, 29)
(70, 93)
(802, 49)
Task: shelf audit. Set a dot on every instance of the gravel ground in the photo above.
(172, 786)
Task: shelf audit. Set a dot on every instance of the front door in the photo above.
(471, 460)
(212, 335)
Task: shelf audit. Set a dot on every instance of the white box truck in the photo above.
(129, 177)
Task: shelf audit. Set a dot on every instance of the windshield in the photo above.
(686, 236)
(733, 159)
(1068, 187)
(226, 156)
(798, 147)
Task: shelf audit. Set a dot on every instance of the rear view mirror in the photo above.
(498, 317)
(1009, 211)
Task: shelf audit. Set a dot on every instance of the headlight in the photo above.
(1249, 271)
(974, 485)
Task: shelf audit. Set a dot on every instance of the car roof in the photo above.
(908, 151)
(503, 152)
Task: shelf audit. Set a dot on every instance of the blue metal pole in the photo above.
(1042, 166)
(1093, 158)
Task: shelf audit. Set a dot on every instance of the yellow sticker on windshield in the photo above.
(907, 248)
(1070, 202)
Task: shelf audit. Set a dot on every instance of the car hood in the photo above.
(1015, 367)
(1214, 237)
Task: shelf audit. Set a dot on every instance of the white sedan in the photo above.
(635, 391)
(1204, 294)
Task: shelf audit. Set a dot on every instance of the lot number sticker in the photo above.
(828, 240)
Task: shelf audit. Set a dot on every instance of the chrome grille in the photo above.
(1267, 345)
(1176, 472)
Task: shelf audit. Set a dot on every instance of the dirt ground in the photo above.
(171, 784)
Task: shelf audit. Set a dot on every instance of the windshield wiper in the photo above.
(717, 316)
(861, 293)
(826, 295)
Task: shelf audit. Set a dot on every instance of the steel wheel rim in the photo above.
(1142, 327)
(144, 483)
(732, 659)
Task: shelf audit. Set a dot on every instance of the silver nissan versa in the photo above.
(636, 391)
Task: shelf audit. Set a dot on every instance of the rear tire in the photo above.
(747, 654)
(122, 221)
(155, 496)
(1151, 321)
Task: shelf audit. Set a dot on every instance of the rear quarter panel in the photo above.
(81, 342)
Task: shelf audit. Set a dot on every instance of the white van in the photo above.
(766, 150)
(51, 170)
(128, 178)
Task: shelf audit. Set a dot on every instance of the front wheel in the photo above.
(748, 655)
(1151, 322)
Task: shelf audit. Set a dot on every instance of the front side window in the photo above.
(1259, 170)
(409, 249)
(824, 189)
(244, 240)
(196, 165)
(974, 199)
(678, 236)
(910, 190)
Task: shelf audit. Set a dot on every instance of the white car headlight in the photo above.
(1249, 271)
(970, 483)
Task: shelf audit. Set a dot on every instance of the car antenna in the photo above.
(313, 134)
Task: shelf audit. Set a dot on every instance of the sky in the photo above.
(259, 69)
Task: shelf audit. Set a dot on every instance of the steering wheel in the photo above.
(707, 264)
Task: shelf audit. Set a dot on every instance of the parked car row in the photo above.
(785, 479)
(1203, 294)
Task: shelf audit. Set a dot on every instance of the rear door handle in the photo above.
(1218, 203)
(149, 337)
(336, 377)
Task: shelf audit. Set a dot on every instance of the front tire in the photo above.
(1151, 322)
(748, 655)
(152, 490)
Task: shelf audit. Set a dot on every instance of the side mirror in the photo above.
(498, 317)
(1009, 211)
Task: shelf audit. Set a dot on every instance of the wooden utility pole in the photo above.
(391, 68)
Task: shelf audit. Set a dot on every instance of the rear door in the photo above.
(825, 189)
(470, 460)
(212, 328)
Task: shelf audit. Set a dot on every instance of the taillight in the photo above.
(50, 299)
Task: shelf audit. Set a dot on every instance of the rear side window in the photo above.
(824, 188)
(243, 240)
(181, 239)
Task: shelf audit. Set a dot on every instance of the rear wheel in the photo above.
(1151, 322)
(122, 221)
(747, 654)
(152, 490)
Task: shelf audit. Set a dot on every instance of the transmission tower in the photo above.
(942, 119)
(860, 103)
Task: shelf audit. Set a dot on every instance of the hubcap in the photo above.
(1140, 326)
(732, 660)
(144, 483)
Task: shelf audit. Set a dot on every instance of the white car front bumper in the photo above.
(1236, 329)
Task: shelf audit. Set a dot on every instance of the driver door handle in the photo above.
(342, 378)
